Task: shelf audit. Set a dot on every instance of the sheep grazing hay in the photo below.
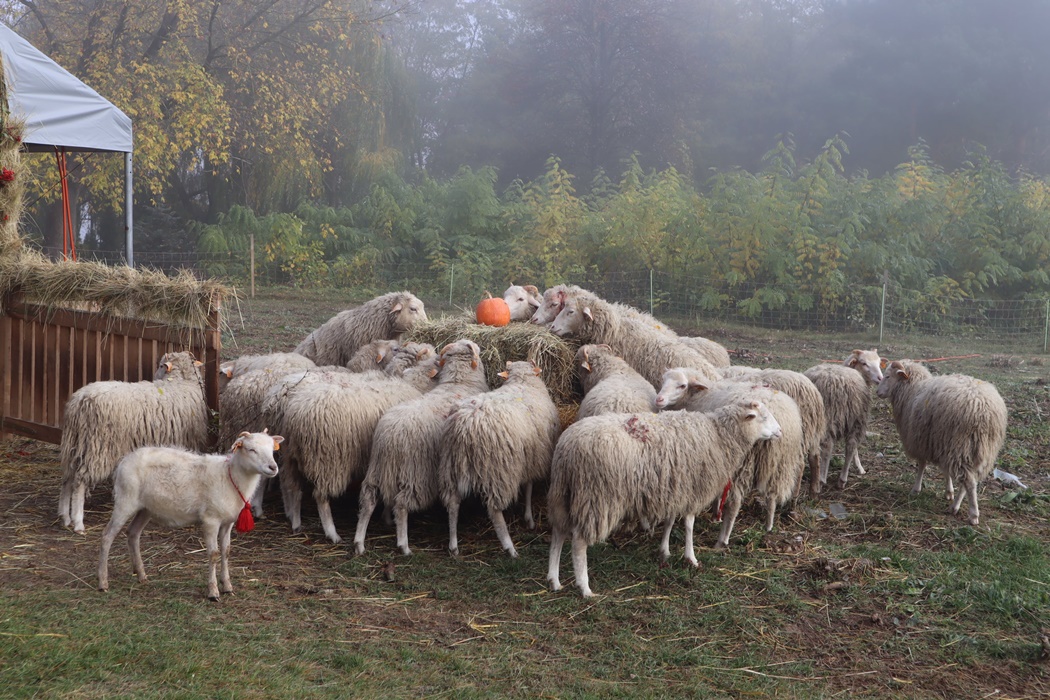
(512, 343)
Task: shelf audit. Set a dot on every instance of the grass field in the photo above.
(894, 599)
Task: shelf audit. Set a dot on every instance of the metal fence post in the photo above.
(1046, 326)
(251, 249)
(451, 279)
(882, 311)
(650, 291)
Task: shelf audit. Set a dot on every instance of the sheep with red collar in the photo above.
(179, 488)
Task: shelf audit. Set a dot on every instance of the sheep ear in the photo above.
(531, 288)
(536, 369)
(432, 373)
(244, 434)
(445, 349)
(586, 365)
(277, 440)
(587, 313)
(168, 366)
(228, 372)
(503, 375)
(397, 307)
(902, 374)
(474, 364)
(695, 387)
(883, 362)
(422, 354)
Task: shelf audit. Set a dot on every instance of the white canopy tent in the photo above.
(60, 111)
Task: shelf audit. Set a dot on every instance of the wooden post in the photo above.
(6, 360)
(213, 346)
(251, 249)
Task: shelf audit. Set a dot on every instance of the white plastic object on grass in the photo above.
(1007, 478)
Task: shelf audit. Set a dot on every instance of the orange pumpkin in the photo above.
(492, 311)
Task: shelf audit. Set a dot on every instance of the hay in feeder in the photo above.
(513, 342)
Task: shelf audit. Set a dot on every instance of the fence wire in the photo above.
(683, 299)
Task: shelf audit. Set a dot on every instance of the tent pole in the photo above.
(128, 228)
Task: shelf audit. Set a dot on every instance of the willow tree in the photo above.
(252, 102)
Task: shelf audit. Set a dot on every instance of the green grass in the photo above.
(897, 599)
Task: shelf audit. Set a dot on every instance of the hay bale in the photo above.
(514, 342)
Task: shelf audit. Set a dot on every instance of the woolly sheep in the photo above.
(523, 301)
(810, 405)
(954, 421)
(662, 466)
(385, 317)
(847, 403)
(610, 385)
(590, 319)
(106, 420)
(275, 361)
(374, 355)
(494, 443)
(554, 299)
(329, 427)
(713, 352)
(772, 468)
(179, 488)
(404, 462)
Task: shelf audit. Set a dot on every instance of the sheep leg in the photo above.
(971, 489)
(77, 506)
(224, 556)
(732, 508)
(771, 512)
(851, 457)
(116, 522)
(210, 531)
(401, 525)
(292, 494)
(530, 522)
(554, 558)
(138, 524)
(827, 446)
(64, 497)
(453, 526)
(257, 498)
(579, 565)
(920, 471)
(324, 509)
(690, 550)
(957, 501)
(498, 522)
(949, 485)
(856, 461)
(366, 504)
(665, 542)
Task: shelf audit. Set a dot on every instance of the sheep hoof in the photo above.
(406, 551)
(586, 593)
(720, 545)
(359, 548)
(103, 589)
(693, 563)
(555, 584)
(531, 524)
(841, 484)
(213, 597)
(974, 520)
(79, 530)
(454, 552)
(513, 553)
(861, 470)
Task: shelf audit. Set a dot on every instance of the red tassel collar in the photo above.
(245, 521)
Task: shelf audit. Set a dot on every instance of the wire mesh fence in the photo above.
(881, 311)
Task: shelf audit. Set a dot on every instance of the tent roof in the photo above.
(58, 108)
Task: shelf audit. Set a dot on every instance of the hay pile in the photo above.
(118, 291)
(517, 341)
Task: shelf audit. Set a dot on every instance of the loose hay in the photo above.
(510, 343)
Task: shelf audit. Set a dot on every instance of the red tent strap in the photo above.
(69, 248)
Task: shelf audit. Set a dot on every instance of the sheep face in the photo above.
(552, 304)
(895, 375)
(406, 312)
(572, 319)
(677, 386)
(764, 424)
(254, 452)
(522, 304)
(868, 363)
(174, 366)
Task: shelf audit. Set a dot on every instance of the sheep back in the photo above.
(383, 318)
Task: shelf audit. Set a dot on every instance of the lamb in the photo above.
(610, 385)
(662, 466)
(374, 355)
(179, 488)
(404, 462)
(523, 301)
(384, 317)
(590, 319)
(106, 420)
(847, 403)
(275, 361)
(773, 468)
(494, 443)
(329, 428)
(954, 421)
(810, 405)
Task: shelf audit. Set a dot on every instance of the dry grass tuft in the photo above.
(516, 341)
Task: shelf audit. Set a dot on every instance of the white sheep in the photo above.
(522, 300)
(810, 406)
(660, 465)
(714, 352)
(105, 420)
(404, 462)
(590, 319)
(495, 442)
(954, 421)
(610, 385)
(372, 355)
(275, 361)
(178, 488)
(384, 317)
(847, 403)
(772, 468)
(554, 299)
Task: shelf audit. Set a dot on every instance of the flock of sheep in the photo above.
(416, 426)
